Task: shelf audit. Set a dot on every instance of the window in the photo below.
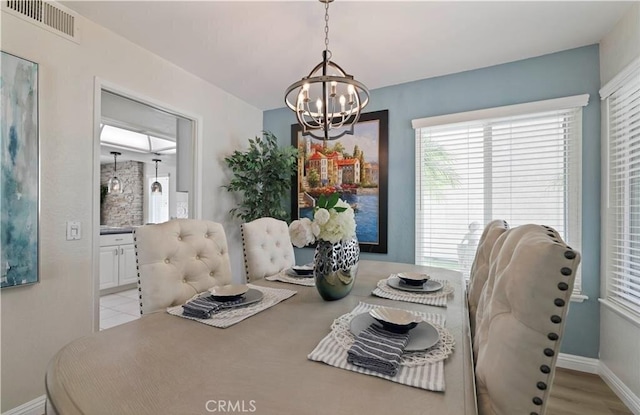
(622, 187)
(520, 163)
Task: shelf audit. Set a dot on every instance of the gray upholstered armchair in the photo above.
(178, 259)
(267, 247)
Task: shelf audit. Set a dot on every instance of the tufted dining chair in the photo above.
(178, 259)
(520, 332)
(267, 247)
(480, 267)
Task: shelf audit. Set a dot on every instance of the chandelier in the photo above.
(328, 98)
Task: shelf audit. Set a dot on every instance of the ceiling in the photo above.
(254, 50)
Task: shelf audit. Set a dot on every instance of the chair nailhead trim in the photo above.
(548, 352)
(537, 401)
(563, 286)
(556, 319)
(569, 254)
(541, 385)
(545, 369)
(559, 302)
(565, 271)
(553, 336)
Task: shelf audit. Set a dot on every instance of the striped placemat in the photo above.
(429, 376)
(283, 277)
(226, 318)
(438, 298)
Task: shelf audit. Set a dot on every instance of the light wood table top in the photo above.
(162, 364)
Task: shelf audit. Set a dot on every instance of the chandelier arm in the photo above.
(316, 121)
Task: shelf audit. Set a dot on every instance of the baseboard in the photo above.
(579, 363)
(34, 407)
(625, 394)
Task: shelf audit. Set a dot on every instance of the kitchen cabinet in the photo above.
(117, 260)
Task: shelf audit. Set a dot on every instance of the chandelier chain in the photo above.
(326, 27)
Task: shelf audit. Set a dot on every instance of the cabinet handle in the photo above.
(121, 251)
(116, 251)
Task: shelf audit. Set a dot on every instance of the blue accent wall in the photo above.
(557, 75)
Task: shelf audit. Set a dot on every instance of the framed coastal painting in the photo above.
(19, 171)
(354, 166)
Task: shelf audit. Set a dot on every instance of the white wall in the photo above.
(38, 320)
(620, 46)
(620, 336)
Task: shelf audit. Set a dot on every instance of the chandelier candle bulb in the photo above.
(334, 86)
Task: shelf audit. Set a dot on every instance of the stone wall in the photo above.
(123, 209)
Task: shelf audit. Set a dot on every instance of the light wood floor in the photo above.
(578, 393)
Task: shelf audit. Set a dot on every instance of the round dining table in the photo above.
(164, 364)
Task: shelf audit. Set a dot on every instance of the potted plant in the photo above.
(262, 174)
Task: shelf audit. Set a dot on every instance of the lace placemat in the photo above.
(283, 277)
(438, 298)
(424, 370)
(226, 318)
(440, 351)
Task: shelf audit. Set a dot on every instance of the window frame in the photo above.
(625, 77)
(573, 174)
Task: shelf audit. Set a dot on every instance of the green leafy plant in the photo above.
(262, 174)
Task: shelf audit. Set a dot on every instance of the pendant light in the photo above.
(114, 186)
(156, 187)
(328, 98)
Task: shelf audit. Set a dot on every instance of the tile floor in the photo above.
(119, 308)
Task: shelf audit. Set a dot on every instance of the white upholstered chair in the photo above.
(523, 323)
(480, 268)
(267, 247)
(178, 259)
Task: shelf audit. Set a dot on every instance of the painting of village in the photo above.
(350, 166)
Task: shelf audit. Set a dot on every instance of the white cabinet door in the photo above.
(109, 266)
(128, 270)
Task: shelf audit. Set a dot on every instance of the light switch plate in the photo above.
(74, 230)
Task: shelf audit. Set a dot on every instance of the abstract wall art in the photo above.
(19, 171)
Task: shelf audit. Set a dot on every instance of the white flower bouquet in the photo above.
(333, 221)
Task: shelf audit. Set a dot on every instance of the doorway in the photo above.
(132, 132)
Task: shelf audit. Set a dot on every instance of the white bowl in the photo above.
(229, 290)
(395, 316)
(413, 278)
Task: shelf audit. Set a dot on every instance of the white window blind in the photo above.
(524, 168)
(622, 253)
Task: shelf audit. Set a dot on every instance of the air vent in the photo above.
(45, 14)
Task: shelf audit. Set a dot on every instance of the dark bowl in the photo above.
(225, 298)
(413, 282)
(397, 328)
(302, 271)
